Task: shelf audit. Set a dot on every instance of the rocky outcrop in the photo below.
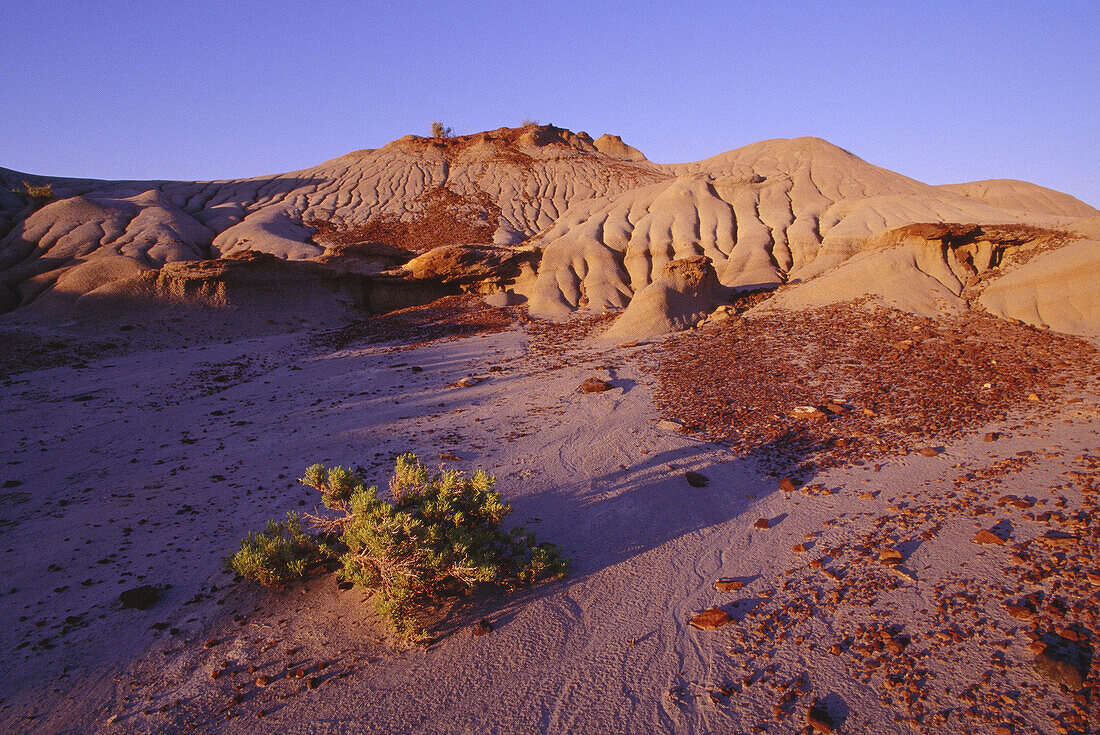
(480, 269)
(683, 293)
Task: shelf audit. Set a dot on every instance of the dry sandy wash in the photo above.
(843, 477)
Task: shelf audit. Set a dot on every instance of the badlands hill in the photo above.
(553, 217)
(820, 510)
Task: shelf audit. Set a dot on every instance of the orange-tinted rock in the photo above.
(728, 585)
(594, 385)
(761, 523)
(890, 557)
(987, 537)
(711, 619)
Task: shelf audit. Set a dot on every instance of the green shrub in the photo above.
(277, 554)
(441, 535)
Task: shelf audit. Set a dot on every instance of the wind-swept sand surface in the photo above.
(937, 536)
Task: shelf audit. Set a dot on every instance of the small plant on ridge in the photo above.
(440, 131)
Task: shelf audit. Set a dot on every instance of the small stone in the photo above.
(262, 681)
(811, 413)
(468, 382)
(594, 385)
(889, 557)
(139, 598)
(728, 585)
(927, 451)
(991, 436)
(787, 485)
(799, 548)
(762, 523)
(1063, 663)
(819, 719)
(696, 480)
(987, 537)
(1059, 540)
(483, 627)
(711, 619)
(1020, 612)
(1032, 397)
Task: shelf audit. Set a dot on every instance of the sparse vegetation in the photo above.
(277, 554)
(440, 536)
(440, 131)
(527, 122)
(40, 194)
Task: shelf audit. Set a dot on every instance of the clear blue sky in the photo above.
(941, 91)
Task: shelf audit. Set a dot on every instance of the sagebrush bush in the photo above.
(439, 130)
(277, 554)
(440, 535)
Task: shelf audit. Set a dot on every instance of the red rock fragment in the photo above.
(761, 523)
(786, 485)
(987, 537)
(889, 557)
(710, 619)
(594, 385)
(927, 452)
(728, 585)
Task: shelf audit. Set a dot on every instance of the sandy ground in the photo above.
(148, 468)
